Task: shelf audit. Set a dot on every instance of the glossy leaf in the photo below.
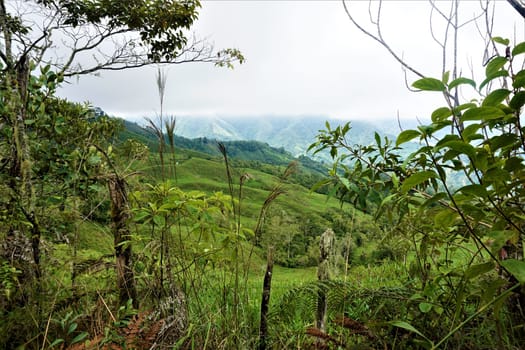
(460, 81)
(406, 136)
(461, 147)
(517, 101)
(417, 179)
(499, 74)
(495, 65)
(518, 49)
(441, 114)
(482, 113)
(495, 97)
(429, 84)
(474, 190)
(501, 41)
(519, 80)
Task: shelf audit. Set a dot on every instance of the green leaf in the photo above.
(408, 327)
(516, 269)
(479, 269)
(344, 181)
(320, 184)
(461, 147)
(517, 101)
(79, 338)
(441, 114)
(495, 65)
(495, 97)
(406, 136)
(518, 49)
(56, 342)
(464, 106)
(417, 179)
(378, 139)
(482, 113)
(499, 238)
(446, 77)
(519, 80)
(498, 74)
(429, 84)
(501, 41)
(459, 81)
(474, 190)
(425, 307)
(72, 327)
(445, 217)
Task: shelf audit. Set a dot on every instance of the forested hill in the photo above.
(252, 151)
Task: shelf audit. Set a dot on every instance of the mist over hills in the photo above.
(294, 134)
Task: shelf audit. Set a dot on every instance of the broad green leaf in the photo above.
(501, 41)
(516, 268)
(503, 141)
(482, 113)
(447, 138)
(461, 147)
(519, 80)
(441, 114)
(406, 136)
(345, 182)
(429, 84)
(518, 49)
(408, 327)
(495, 65)
(498, 74)
(464, 106)
(425, 307)
(434, 199)
(470, 131)
(416, 179)
(479, 269)
(495, 97)
(460, 81)
(474, 190)
(517, 101)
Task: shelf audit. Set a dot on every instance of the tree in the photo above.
(479, 141)
(70, 38)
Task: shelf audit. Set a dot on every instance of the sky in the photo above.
(302, 58)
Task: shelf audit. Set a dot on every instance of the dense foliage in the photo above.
(104, 245)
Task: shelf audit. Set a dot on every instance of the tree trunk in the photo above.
(119, 218)
(265, 303)
(326, 245)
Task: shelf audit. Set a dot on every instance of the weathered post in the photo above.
(265, 303)
(120, 217)
(326, 245)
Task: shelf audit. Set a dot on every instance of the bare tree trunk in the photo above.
(265, 303)
(121, 234)
(326, 245)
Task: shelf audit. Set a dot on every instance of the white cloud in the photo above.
(303, 57)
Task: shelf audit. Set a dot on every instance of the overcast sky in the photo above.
(302, 58)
